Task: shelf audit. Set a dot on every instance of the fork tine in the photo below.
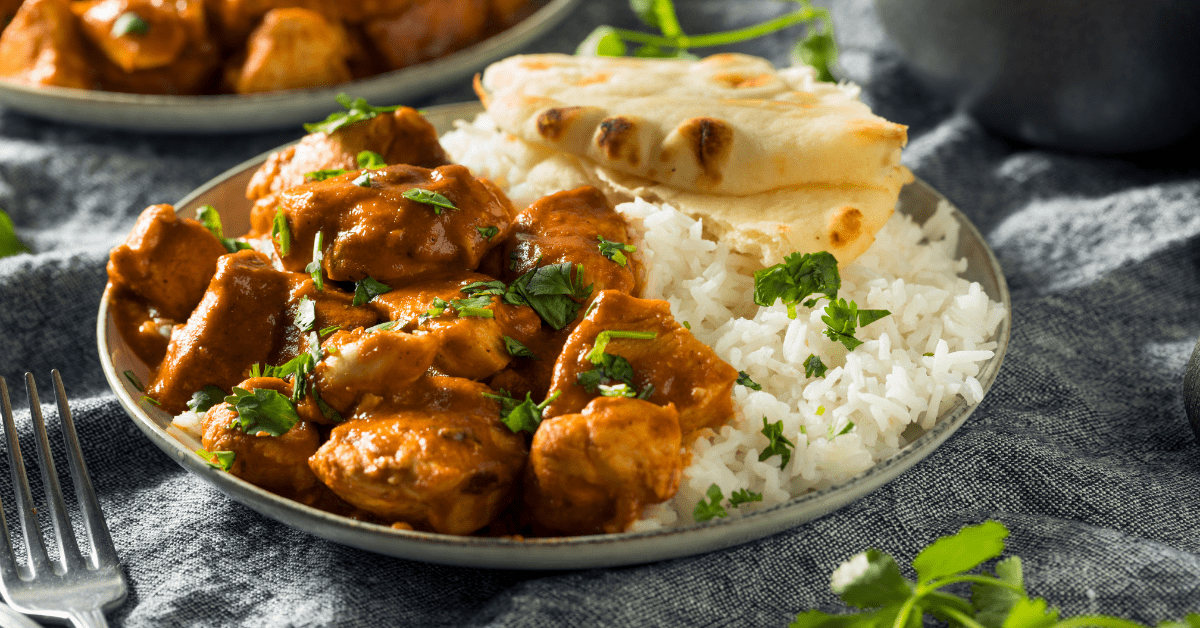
(68, 549)
(103, 551)
(39, 562)
(8, 563)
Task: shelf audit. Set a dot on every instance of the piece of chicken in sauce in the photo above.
(275, 460)
(290, 49)
(363, 368)
(42, 45)
(437, 459)
(236, 325)
(236, 19)
(428, 29)
(595, 471)
(393, 224)
(402, 136)
(475, 334)
(647, 353)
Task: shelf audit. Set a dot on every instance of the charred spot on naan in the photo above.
(845, 226)
(593, 79)
(616, 138)
(710, 141)
(737, 80)
(553, 124)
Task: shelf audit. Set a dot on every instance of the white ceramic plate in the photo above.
(227, 193)
(231, 113)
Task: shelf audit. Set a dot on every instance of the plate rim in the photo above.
(563, 552)
(193, 114)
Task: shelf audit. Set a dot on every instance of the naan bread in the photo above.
(772, 161)
(727, 124)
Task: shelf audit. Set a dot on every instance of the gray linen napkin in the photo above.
(1081, 448)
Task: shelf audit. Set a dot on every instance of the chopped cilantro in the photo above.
(617, 390)
(611, 368)
(813, 366)
(686, 325)
(326, 410)
(212, 220)
(615, 251)
(382, 326)
(321, 175)
(130, 23)
(437, 201)
(845, 430)
(205, 398)
(843, 318)
(357, 110)
(488, 232)
(777, 445)
(363, 180)
(324, 333)
(474, 306)
(306, 314)
(222, 460)
(595, 356)
(484, 287)
(521, 415)
(133, 379)
(710, 508)
(370, 160)
(314, 267)
(151, 400)
(516, 349)
(263, 411)
(745, 380)
(551, 292)
(797, 278)
(280, 232)
(744, 496)
(820, 412)
(436, 308)
(367, 289)
(928, 354)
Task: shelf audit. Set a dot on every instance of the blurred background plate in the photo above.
(227, 194)
(231, 113)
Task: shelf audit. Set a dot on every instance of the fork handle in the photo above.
(88, 619)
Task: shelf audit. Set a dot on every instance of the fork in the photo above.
(70, 589)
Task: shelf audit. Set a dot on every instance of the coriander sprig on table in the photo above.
(817, 48)
(871, 581)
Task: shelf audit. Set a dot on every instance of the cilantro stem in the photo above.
(906, 610)
(968, 577)
(1102, 621)
(963, 618)
(720, 39)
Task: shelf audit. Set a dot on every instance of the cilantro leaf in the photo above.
(521, 415)
(993, 603)
(321, 175)
(843, 319)
(845, 429)
(961, 552)
(814, 366)
(314, 267)
(1031, 613)
(384, 326)
(306, 314)
(551, 292)
(263, 411)
(516, 349)
(477, 305)
(205, 398)
(617, 390)
(595, 356)
(370, 160)
(797, 278)
(611, 368)
(437, 307)
(130, 23)
(9, 244)
(777, 445)
(706, 510)
(870, 579)
(744, 496)
(212, 220)
(484, 287)
(363, 180)
(327, 331)
(819, 49)
(280, 232)
(745, 380)
(488, 232)
(357, 110)
(222, 460)
(367, 289)
(437, 201)
(615, 251)
(604, 41)
(133, 379)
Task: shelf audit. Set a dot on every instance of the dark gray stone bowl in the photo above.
(1102, 76)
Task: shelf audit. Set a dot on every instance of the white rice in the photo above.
(912, 366)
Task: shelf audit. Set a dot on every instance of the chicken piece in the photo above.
(427, 30)
(567, 227)
(403, 136)
(594, 472)
(293, 49)
(439, 460)
(683, 371)
(236, 19)
(361, 368)
(42, 46)
(138, 325)
(167, 261)
(373, 230)
(357, 12)
(237, 324)
(276, 463)
(470, 346)
(331, 307)
(191, 74)
(533, 375)
(142, 34)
